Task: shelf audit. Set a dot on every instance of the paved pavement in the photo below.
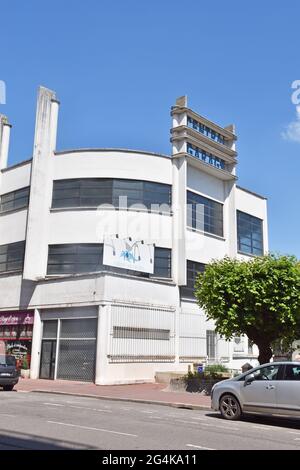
(49, 421)
(145, 393)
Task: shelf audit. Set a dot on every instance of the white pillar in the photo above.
(179, 221)
(4, 141)
(36, 346)
(41, 186)
(103, 335)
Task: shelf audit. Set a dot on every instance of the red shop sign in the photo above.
(16, 318)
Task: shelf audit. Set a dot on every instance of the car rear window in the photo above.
(292, 372)
(7, 360)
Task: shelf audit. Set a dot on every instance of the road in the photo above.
(47, 421)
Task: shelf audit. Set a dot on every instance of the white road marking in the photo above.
(91, 409)
(199, 447)
(228, 428)
(92, 429)
(294, 432)
(7, 415)
(297, 439)
(53, 404)
(148, 412)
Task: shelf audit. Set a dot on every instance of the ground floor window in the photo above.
(211, 344)
(16, 330)
(69, 349)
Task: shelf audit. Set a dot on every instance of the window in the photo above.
(70, 259)
(192, 270)
(211, 344)
(249, 234)
(141, 333)
(14, 200)
(88, 257)
(204, 214)
(12, 257)
(91, 192)
(291, 372)
(266, 373)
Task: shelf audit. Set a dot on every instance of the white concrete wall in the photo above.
(112, 164)
(13, 226)
(15, 177)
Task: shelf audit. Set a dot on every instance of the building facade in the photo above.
(99, 249)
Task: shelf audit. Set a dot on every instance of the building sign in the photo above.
(16, 318)
(16, 330)
(135, 255)
(206, 157)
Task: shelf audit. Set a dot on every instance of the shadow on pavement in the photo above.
(282, 422)
(22, 441)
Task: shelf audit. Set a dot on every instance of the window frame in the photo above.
(254, 238)
(15, 198)
(11, 253)
(108, 191)
(213, 214)
(78, 253)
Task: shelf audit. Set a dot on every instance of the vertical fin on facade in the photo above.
(4, 140)
(182, 101)
(40, 191)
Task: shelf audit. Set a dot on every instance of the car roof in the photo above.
(296, 363)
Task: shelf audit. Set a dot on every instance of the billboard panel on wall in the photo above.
(129, 254)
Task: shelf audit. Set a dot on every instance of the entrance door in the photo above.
(48, 359)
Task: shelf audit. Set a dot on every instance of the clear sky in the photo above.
(117, 67)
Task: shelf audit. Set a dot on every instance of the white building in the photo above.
(81, 319)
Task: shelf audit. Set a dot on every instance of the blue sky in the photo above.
(118, 66)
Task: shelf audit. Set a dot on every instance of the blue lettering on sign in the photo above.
(127, 255)
(206, 157)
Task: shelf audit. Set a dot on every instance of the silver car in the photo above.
(268, 389)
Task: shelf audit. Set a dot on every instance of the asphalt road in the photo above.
(47, 421)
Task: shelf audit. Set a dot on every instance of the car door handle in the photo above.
(270, 387)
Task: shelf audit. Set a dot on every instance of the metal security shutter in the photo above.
(77, 349)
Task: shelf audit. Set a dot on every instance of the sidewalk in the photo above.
(143, 393)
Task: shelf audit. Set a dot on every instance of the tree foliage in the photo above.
(259, 298)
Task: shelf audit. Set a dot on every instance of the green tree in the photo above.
(259, 298)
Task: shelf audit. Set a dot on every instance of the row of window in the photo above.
(88, 257)
(93, 192)
(207, 131)
(205, 156)
(202, 214)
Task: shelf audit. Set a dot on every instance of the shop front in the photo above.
(16, 335)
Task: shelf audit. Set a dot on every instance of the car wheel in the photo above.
(8, 388)
(230, 407)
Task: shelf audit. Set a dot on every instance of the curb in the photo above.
(187, 406)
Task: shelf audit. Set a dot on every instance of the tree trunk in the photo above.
(265, 353)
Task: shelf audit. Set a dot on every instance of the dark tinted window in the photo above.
(193, 268)
(12, 257)
(91, 192)
(204, 214)
(86, 257)
(292, 372)
(14, 200)
(249, 233)
(6, 360)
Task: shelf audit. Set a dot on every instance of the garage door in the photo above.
(77, 349)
